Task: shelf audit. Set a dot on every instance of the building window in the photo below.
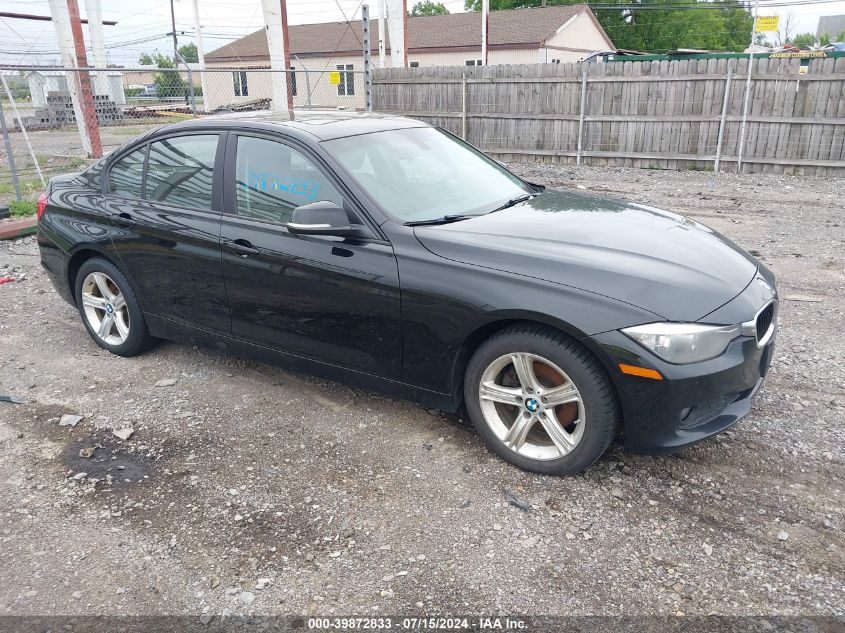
(346, 87)
(555, 61)
(473, 62)
(239, 78)
(415, 64)
(292, 84)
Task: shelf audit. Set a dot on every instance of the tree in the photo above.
(804, 39)
(145, 59)
(188, 52)
(659, 25)
(428, 7)
(788, 25)
(168, 83)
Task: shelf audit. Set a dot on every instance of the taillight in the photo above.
(41, 205)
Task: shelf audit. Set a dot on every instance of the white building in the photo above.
(521, 36)
(43, 82)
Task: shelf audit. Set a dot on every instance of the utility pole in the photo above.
(89, 110)
(275, 28)
(200, 54)
(65, 15)
(485, 21)
(175, 43)
(283, 5)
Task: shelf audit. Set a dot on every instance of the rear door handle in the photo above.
(243, 248)
(124, 220)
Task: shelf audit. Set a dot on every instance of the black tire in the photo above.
(139, 339)
(602, 416)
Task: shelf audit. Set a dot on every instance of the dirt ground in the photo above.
(246, 489)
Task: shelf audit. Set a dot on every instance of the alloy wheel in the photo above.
(532, 406)
(105, 308)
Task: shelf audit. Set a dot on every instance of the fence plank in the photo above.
(656, 113)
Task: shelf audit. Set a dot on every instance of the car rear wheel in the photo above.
(110, 310)
(540, 401)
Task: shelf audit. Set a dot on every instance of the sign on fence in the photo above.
(766, 23)
(334, 78)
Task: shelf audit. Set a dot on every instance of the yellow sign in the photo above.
(334, 78)
(798, 55)
(766, 23)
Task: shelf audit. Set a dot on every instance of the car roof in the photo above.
(323, 124)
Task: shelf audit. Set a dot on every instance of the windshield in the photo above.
(419, 174)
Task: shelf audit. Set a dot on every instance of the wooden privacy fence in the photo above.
(699, 113)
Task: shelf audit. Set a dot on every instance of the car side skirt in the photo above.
(185, 334)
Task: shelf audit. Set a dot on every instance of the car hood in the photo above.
(656, 260)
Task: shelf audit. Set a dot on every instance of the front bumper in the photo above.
(693, 401)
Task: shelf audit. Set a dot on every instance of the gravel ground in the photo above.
(245, 489)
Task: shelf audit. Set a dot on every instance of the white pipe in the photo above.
(201, 53)
(382, 34)
(94, 11)
(64, 35)
(276, 45)
(485, 14)
(396, 28)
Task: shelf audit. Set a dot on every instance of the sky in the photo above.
(30, 42)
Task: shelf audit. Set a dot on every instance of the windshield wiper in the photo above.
(445, 219)
(513, 202)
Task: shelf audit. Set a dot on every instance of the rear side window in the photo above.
(126, 175)
(273, 179)
(181, 170)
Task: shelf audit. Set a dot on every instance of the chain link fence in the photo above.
(41, 120)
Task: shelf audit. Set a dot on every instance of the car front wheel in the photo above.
(110, 310)
(540, 401)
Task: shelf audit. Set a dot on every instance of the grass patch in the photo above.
(27, 186)
(21, 208)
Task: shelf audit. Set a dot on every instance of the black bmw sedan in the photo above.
(386, 253)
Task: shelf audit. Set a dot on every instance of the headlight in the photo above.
(683, 343)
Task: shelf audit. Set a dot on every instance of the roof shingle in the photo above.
(526, 27)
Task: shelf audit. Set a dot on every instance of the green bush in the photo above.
(21, 208)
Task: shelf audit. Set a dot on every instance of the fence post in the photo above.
(368, 62)
(23, 129)
(9, 153)
(722, 118)
(191, 90)
(582, 113)
(464, 105)
(744, 113)
(307, 82)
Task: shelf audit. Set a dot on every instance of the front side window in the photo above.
(272, 179)
(346, 86)
(423, 173)
(239, 79)
(126, 175)
(181, 170)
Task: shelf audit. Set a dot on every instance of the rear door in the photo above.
(327, 298)
(165, 199)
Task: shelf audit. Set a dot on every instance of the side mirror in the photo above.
(322, 218)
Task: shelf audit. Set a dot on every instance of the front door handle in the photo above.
(243, 248)
(124, 219)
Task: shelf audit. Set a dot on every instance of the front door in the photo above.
(331, 299)
(167, 229)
